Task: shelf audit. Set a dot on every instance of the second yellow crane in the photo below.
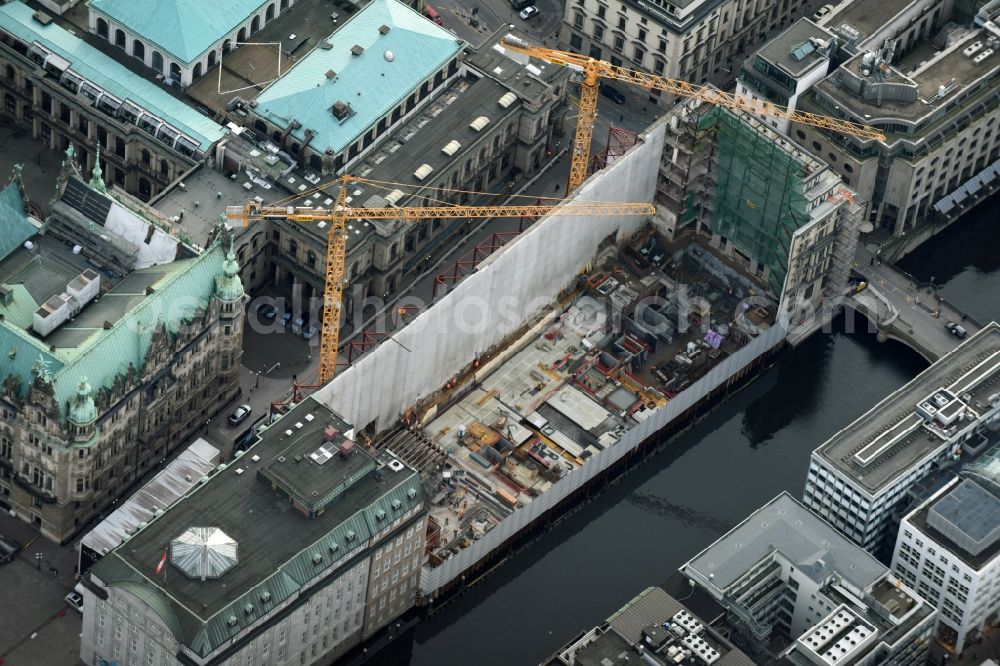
(340, 213)
(593, 70)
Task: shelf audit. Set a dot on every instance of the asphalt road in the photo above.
(492, 15)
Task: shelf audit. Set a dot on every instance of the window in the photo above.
(621, 22)
(598, 34)
(639, 55)
(619, 43)
(601, 11)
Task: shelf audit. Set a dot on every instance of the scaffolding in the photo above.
(754, 197)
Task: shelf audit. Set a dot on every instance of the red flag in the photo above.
(163, 562)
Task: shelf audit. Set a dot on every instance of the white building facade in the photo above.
(948, 550)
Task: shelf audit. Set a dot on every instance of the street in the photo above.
(475, 20)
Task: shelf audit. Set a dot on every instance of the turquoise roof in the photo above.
(373, 83)
(183, 29)
(14, 225)
(105, 72)
(182, 287)
(82, 409)
(228, 285)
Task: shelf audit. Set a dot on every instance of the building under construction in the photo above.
(553, 362)
(763, 202)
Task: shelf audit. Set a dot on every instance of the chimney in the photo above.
(329, 433)
(346, 448)
(357, 50)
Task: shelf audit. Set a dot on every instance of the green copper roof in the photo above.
(105, 72)
(183, 29)
(14, 225)
(21, 311)
(228, 286)
(179, 289)
(373, 83)
(81, 406)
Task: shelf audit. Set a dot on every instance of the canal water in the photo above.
(636, 532)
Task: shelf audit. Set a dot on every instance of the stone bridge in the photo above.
(905, 310)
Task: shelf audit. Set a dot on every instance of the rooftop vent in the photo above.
(6, 294)
(423, 171)
(330, 73)
(451, 148)
(507, 100)
(341, 110)
(383, 29)
(479, 123)
(389, 56)
(42, 18)
(357, 50)
(346, 448)
(329, 434)
(393, 197)
(325, 45)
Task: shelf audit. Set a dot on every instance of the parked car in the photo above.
(75, 601)
(239, 415)
(310, 332)
(430, 13)
(286, 319)
(518, 5)
(298, 324)
(956, 330)
(822, 11)
(8, 549)
(613, 94)
(528, 12)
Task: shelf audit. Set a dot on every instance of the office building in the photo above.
(299, 549)
(469, 135)
(786, 67)
(65, 92)
(948, 550)
(692, 40)
(104, 372)
(859, 479)
(180, 39)
(758, 198)
(656, 629)
(788, 578)
(344, 95)
(917, 71)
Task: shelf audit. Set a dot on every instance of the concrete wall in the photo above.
(508, 289)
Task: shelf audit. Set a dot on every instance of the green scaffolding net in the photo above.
(759, 199)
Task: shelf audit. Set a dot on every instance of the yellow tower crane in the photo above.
(336, 251)
(593, 70)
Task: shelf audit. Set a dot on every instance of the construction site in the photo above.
(555, 360)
